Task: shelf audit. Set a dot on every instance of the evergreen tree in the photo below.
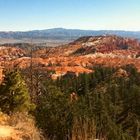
(52, 113)
(14, 95)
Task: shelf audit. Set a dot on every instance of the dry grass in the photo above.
(3, 118)
(25, 129)
(24, 123)
(21, 126)
(83, 130)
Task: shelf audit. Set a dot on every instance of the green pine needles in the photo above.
(14, 96)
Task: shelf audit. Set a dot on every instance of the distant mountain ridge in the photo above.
(65, 34)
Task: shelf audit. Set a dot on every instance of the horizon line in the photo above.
(28, 30)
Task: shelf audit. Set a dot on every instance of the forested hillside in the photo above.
(100, 105)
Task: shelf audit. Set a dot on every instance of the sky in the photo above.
(24, 15)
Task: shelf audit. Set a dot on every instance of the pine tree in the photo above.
(52, 113)
(14, 94)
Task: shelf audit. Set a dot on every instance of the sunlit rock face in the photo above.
(76, 57)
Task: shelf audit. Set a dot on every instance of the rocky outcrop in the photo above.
(9, 53)
(77, 57)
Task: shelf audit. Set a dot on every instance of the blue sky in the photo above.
(21, 15)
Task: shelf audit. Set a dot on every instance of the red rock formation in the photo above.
(77, 57)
